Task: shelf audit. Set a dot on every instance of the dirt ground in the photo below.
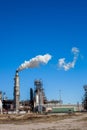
(76, 121)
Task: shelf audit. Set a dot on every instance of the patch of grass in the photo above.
(33, 118)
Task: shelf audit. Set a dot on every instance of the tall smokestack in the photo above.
(16, 91)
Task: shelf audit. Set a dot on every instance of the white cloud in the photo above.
(66, 66)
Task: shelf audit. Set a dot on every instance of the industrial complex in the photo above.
(37, 103)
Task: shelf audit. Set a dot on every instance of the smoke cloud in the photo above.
(66, 66)
(35, 62)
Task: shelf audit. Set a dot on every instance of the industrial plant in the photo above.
(37, 103)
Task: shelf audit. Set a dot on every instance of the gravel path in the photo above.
(73, 123)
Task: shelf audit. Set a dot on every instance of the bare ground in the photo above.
(77, 121)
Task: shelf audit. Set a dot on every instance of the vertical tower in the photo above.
(16, 92)
(85, 98)
(0, 95)
(38, 95)
(31, 99)
(0, 102)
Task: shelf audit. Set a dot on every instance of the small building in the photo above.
(64, 108)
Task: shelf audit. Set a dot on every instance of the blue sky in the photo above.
(37, 27)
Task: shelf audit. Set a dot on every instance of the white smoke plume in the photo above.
(35, 62)
(66, 66)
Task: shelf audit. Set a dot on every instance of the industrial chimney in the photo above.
(16, 91)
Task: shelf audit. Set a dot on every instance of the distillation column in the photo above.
(38, 95)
